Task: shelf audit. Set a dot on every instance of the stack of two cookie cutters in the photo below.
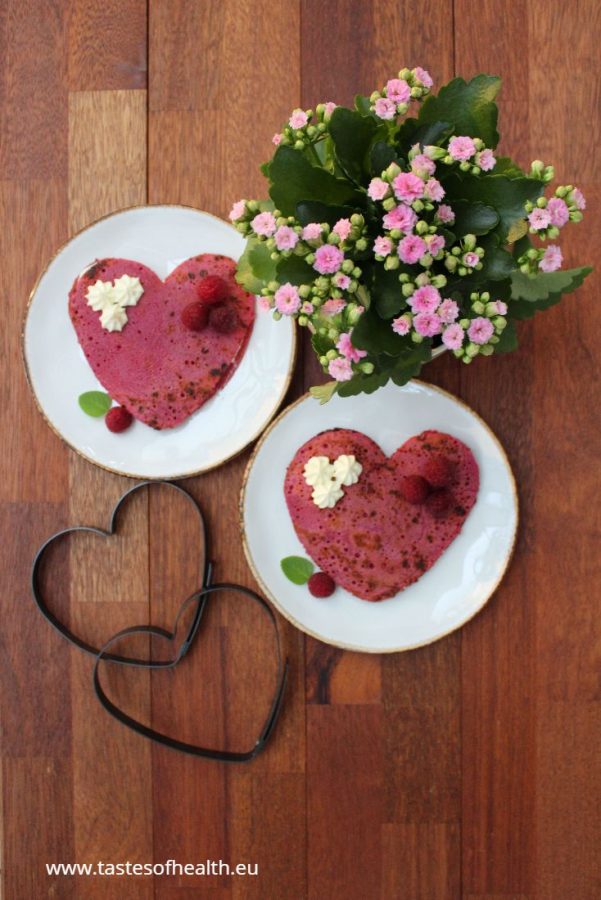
(198, 601)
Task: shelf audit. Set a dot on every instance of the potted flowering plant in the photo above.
(391, 237)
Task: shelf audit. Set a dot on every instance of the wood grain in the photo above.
(467, 770)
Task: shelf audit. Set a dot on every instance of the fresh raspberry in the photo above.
(414, 489)
(212, 289)
(321, 585)
(223, 318)
(438, 471)
(439, 503)
(118, 419)
(195, 316)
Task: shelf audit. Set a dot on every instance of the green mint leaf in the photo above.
(95, 403)
(297, 569)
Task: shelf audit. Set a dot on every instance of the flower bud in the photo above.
(389, 203)
(347, 266)
(302, 320)
(396, 234)
(472, 350)
(367, 368)
(487, 350)
(426, 260)
(416, 338)
(304, 291)
(417, 206)
(500, 323)
(434, 152)
(459, 352)
(333, 334)
(361, 244)
(356, 273)
(541, 202)
(421, 227)
(438, 281)
(561, 191)
(332, 354)
(298, 145)
(277, 315)
(323, 361)
(375, 95)
(494, 339)
(406, 74)
(537, 168)
(450, 263)
(407, 290)
(485, 295)
(392, 170)
(478, 307)
(357, 219)
(422, 279)
(391, 262)
(465, 166)
(469, 241)
(353, 313)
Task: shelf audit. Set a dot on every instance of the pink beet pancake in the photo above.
(374, 543)
(155, 367)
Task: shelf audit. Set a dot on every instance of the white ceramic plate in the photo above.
(459, 583)
(161, 237)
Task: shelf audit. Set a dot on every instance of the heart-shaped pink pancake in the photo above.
(374, 543)
(155, 367)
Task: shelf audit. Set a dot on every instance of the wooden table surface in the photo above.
(468, 769)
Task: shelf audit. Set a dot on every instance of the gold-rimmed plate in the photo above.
(445, 597)
(161, 237)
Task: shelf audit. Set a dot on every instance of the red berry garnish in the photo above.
(223, 318)
(321, 585)
(118, 419)
(195, 316)
(212, 289)
(439, 503)
(438, 471)
(414, 489)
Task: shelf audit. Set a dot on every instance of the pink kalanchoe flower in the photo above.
(332, 307)
(276, 139)
(500, 307)
(447, 311)
(461, 148)
(559, 212)
(285, 238)
(237, 210)
(470, 259)
(486, 160)
(382, 246)
(422, 165)
(398, 90)
(342, 228)
(425, 299)
(423, 76)
(378, 189)
(401, 325)
(480, 330)
(287, 300)
(427, 324)
(578, 198)
(298, 119)
(328, 259)
(452, 336)
(264, 304)
(435, 243)
(445, 214)
(408, 187)
(341, 281)
(412, 248)
(552, 259)
(340, 369)
(263, 224)
(307, 308)
(385, 108)
(345, 346)
(539, 218)
(311, 232)
(401, 217)
(434, 190)
(329, 109)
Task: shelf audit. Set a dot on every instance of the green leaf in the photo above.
(362, 105)
(371, 333)
(382, 154)
(506, 166)
(321, 343)
(363, 384)
(353, 135)
(297, 569)
(411, 132)
(324, 392)
(473, 218)
(95, 403)
(532, 293)
(314, 211)
(410, 363)
(506, 195)
(508, 339)
(294, 179)
(468, 106)
(497, 263)
(255, 266)
(294, 269)
(386, 292)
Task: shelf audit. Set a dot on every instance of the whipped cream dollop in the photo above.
(111, 298)
(327, 478)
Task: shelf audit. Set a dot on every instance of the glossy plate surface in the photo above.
(161, 237)
(459, 583)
